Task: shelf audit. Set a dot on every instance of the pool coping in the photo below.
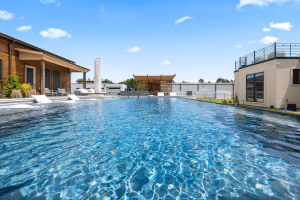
(290, 113)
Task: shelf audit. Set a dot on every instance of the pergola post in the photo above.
(84, 80)
(42, 77)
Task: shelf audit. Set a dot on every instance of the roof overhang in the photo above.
(25, 54)
(154, 78)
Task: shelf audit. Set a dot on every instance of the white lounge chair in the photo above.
(160, 94)
(173, 94)
(72, 97)
(83, 92)
(40, 99)
(91, 91)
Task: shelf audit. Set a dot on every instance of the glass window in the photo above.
(259, 87)
(250, 87)
(296, 76)
(255, 87)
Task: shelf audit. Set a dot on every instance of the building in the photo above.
(270, 76)
(155, 84)
(108, 88)
(33, 65)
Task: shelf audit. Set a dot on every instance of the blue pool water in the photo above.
(149, 149)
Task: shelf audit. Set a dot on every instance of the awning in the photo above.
(36, 55)
(154, 78)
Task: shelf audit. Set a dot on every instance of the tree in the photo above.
(79, 80)
(107, 81)
(131, 84)
(201, 80)
(222, 80)
(13, 84)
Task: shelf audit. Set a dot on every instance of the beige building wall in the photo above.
(278, 83)
(285, 87)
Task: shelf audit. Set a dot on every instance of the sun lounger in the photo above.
(82, 92)
(173, 94)
(160, 94)
(91, 91)
(40, 99)
(51, 92)
(72, 97)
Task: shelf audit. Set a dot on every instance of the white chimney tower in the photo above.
(98, 73)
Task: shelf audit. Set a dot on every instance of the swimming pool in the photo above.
(148, 149)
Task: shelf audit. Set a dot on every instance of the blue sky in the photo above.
(192, 39)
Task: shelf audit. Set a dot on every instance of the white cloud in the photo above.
(133, 49)
(55, 33)
(251, 42)
(238, 46)
(282, 26)
(24, 28)
(48, 1)
(268, 40)
(266, 30)
(178, 21)
(165, 63)
(51, 1)
(6, 15)
(260, 2)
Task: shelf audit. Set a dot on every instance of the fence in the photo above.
(276, 50)
(212, 95)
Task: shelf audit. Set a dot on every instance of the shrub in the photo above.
(13, 84)
(26, 88)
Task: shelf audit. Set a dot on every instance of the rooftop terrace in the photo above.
(276, 50)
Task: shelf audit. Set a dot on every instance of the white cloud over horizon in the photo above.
(282, 26)
(165, 63)
(238, 46)
(260, 2)
(178, 21)
(50, 1)
(266, 29)
(6, 15)
(53, 33)
(24, 28)
(251, 42)
(133, 49)
(268, 40)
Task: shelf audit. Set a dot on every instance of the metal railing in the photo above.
(276, 50)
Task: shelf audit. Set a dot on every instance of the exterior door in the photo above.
(30, 76)
(56, 79)
(47, 79)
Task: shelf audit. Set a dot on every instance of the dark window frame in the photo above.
(254, 87)
(296, 76)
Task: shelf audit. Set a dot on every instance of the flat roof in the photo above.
(154, 78)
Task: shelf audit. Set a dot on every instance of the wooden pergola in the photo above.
(154, 84)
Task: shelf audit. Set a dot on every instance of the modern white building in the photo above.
(108, 88)
(269, 77)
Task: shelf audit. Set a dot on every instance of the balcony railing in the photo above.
(276, 50)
